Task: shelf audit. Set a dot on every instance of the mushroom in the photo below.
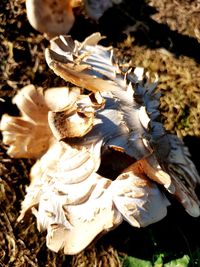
(74, 214)
(52, 17)
(68, 197)
(67, 194)
(139, 133)
(72, 122)
(32, 132)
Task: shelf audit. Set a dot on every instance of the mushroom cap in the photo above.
(140, 133)
(67, 195)
(75, 204)
(69, 199)
(74, 227)
(32, 133)
(52, 17)
(138, 199)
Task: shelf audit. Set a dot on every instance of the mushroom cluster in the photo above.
(70, 130)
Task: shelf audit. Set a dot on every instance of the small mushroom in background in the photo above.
(56, 17)
(52, 17)
(137, 106)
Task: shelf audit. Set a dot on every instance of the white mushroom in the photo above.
(55, 17)
(70, 124)
(138, 199)
(73, 227)
(73, 203)
(67, 195)
(52, 17)
(136, 105)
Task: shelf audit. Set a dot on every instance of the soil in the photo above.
(161, 36)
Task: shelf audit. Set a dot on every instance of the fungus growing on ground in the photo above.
(56, 17)
(70, 198)
(52, 17)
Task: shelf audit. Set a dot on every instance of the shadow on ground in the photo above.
(136, 15)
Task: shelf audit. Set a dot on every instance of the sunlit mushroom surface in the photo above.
(68, 131)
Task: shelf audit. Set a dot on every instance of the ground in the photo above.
(163, 37)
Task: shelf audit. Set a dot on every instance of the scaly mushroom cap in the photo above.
(138, 199)
(142, 135)
(29, 135)
(75, 204)
(67, 195)
(52, 17)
